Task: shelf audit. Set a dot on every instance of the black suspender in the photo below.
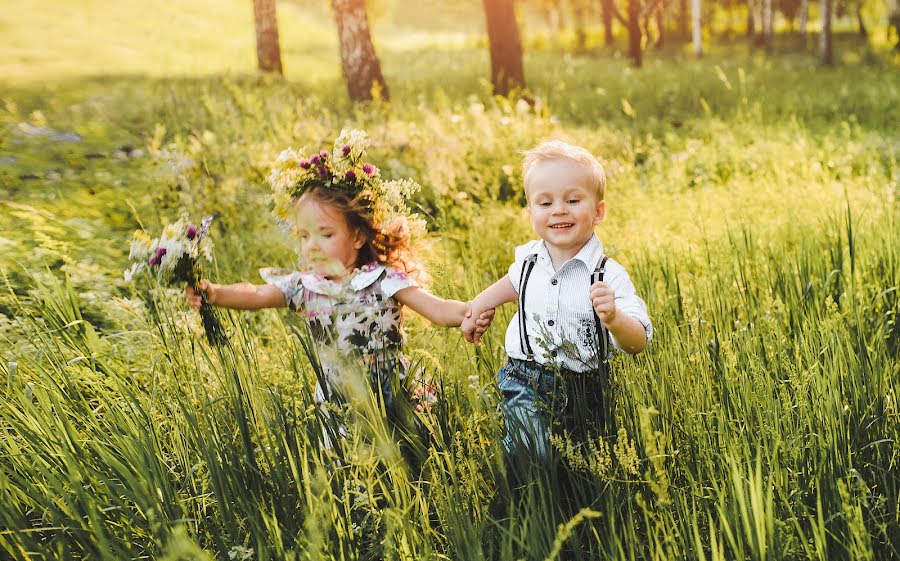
(525, 344)
(527, 267)
(597, 276)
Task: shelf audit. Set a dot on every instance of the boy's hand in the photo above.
(473, 328)
(603, 299)
(193, 297)
(482, 324)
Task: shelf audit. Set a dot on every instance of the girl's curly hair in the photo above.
(389, 245)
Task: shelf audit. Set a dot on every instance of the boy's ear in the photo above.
(601, 212)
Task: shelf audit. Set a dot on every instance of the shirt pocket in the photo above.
(586, 338)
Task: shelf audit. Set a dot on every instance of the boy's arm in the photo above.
(629, 333)
(495, 296)
(243, 296)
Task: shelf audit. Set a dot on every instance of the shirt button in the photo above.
(550, 323)
(554, 282)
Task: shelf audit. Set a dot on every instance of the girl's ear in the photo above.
(359, 240)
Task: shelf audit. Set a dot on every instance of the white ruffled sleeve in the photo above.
(394, 281)
(288, 282)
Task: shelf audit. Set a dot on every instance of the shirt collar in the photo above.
(359, 280)
(589, 254)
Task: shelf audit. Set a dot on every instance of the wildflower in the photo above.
(191, 232)
(368, 168)
(315, 160)
(345, 149)
(350, 175)
(305, 164)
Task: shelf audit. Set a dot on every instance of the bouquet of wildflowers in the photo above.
(174, 258)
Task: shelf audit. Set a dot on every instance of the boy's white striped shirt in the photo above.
(559, 315)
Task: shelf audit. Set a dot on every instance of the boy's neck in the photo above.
(559, 256)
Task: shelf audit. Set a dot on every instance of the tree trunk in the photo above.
(362, 71)
(804, 18)
(751, 21)
(580, 32)
(660, 21)
(767, 17)
(825, 46)
(268, 52)
(635, 35)
(683, 20)
(607, 6)
(863, 32)
(695, 27)
(507, 72)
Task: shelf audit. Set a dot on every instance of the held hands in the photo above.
(193, 297)
(603, 300)
(473, 328)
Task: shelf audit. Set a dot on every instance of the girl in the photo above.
(354, 233)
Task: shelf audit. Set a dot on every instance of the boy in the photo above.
(573, 301)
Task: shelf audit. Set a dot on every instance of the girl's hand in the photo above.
(193, 297)
(603, 299)
(468, 325)
(473, 328)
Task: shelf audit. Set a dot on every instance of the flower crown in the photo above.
(344, 169)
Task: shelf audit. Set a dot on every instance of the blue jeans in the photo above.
(535, 398)
(532, 396)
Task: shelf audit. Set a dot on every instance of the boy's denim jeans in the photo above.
(534, 398)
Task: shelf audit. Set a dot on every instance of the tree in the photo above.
(362, 70)
(683, 19)
(608, 14)
(695, 27)
(825, 45)
(660, 25)
(767, 20)
(751, 19)
(804, 18)
(268, 52)
(579, 14)
(507, 72)
(637, 13)
(863, 32)
(790, 9)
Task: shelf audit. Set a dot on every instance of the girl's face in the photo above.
(327, 243)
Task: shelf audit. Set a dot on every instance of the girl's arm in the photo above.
(244, 296)
(436, 310)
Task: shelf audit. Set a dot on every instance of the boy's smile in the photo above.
(564, 207)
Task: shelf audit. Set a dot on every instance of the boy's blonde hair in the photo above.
(550, 150)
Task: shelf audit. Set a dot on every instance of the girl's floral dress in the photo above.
(358, 318)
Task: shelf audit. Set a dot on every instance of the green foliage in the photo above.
(753, 200)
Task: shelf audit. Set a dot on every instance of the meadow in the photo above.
(752, 196)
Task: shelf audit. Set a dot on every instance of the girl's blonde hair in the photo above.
(550, 150)
(389, 245)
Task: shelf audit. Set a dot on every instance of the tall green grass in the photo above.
(761, 424)
(752, 197)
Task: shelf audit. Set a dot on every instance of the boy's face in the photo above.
(564, 207)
